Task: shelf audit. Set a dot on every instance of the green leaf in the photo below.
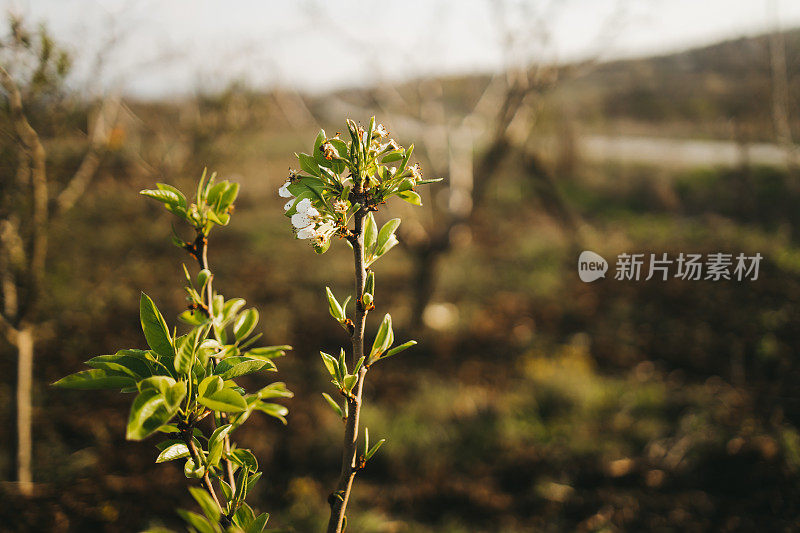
(397, 349)
(233, 367)
(226, 490)
(374, 449)
(358, 364)
(391, 157)
(176, 394)
(187, 348)
(155, 328)
(221, 219)
(209, 386)
(228, 197)
(333, 306)
(225, 400)
(164, 196)
(176, 451)
(410, 197)
(308, 164)
(314, 186)
(245, 459)
(198, 522)
(349, 382)
(133, 366)
(230, 308)
(258, 524)
(207, 504)
(245, 323)
(216, 442)
(150, 411)
(331, 365)
(95, 379)
(244, 515)
(386, 238)
(273, 409)
(370, 234)
(333, 404)
(383, 339)
(275, 390)
(268, 352)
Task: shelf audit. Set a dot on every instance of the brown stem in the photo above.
(338, 499)
(187, 437)
(200, 252)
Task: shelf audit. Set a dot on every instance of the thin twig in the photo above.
(200, 252)
(339, 498)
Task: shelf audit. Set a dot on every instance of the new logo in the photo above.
(591, 266)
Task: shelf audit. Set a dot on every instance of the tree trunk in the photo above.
(24, 417)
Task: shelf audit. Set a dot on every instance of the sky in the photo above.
(153, 49)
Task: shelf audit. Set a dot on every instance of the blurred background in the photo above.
(534, 401)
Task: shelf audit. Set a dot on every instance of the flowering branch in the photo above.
(181, 380)
(339, 184)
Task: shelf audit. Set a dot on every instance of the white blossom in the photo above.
(301, 220)
(380, 131)
(283, 192)
(288, 205)
(305, 207)
(415, 172)
(307, 233)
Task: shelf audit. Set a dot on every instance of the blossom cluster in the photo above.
(339, 178)
(307, 221)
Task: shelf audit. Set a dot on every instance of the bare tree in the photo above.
(34, 67)
(780, 86)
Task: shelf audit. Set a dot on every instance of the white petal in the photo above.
(301, 220)
(303, 205)
(307, 233)
(288, 205)
(283, 192)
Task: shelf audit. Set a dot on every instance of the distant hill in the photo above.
(709, 88)
(718, 91)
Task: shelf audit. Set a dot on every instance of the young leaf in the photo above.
(95, 379)
(274, 410)
(386, 238)
(233, 367)
(410, 197)
(155, 328)
(245, 323)
(150, 411)
(207, 504)
(398, 349)
(331, 364)
(215, 444)
(333, 306)
(225, 400)
(133, 366)
(176, 451)
(383, 339)
(245, 459)
(209, 386)
(274, 390)
(186, 350)
(333, 404)
(258, 524)
(268, 352)
(161, 384)
(374, 449)
(198, 522)
(370, 234)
